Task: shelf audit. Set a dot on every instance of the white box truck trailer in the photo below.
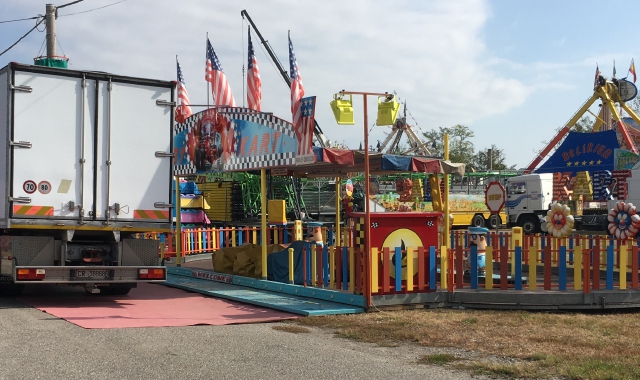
(85, 165)
(529, 197)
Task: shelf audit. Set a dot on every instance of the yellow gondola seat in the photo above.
(342, 109)
(387, 110)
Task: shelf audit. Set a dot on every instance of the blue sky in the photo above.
(512, 71)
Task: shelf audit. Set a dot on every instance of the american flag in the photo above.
(595, 81)
(183, 110)
(308, 108)
(297, 92)
(219, 86)
(254, 84)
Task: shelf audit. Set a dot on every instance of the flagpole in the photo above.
(205, 60)
(244, 94)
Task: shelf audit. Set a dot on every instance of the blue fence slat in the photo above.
(432, 268)
(610, 265)
(571, 248)
(473, 261)
(562, 268)
(397, 262)
(517, 277)
(325, 266)
(307, 249)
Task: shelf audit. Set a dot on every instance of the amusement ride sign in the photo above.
(494, 197)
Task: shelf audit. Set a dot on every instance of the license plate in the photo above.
(89, 273)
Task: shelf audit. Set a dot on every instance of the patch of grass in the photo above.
(589, 346)
(538, 357)
(511, 371)
(597, 369)
(349, 335)
(292, 329)
(437, 359)
(470, 321)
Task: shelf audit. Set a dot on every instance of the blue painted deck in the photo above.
(284, 297)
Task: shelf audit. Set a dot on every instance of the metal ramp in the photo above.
(284, 297)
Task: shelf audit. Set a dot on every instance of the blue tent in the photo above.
(581, 152)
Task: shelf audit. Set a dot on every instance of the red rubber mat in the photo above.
(149, 305)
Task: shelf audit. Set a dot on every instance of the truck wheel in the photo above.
(116, 290)
(477, 221)
(494, 221)
(11, 290)
(119, 291)
(530, 224)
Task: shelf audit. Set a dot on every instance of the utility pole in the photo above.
(490, 157)
(50, 18)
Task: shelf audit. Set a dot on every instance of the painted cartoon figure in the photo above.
(478, 237)
(315, 233)
(211, 141)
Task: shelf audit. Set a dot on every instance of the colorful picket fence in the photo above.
(578, 262)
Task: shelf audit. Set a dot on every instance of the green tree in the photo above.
(494, 160)
(461, 148)
(584, 124)
(634, 104)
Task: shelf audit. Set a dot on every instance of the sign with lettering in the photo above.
(494, 197)
(581, 152)
(233, 139)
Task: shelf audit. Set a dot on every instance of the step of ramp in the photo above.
(223, 286)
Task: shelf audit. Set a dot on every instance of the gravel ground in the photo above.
(36, 345)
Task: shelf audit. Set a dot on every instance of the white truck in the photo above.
(86, 164)
(529, 197)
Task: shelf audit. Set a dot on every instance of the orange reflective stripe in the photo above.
(150, 214)
(33, 210)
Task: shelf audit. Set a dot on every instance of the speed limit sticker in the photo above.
(44, 187)
(29, 187)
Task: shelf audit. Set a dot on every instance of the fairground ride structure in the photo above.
(610, 92)
(416, 146)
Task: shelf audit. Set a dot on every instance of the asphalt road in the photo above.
(36, 345)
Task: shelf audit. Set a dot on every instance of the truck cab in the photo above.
(528, 199)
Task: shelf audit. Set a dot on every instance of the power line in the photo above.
(20, 19)
(67, 4)
(15, 43)
(90, 10)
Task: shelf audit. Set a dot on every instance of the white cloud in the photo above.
(431, 53)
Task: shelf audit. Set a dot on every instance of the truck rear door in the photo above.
(133, 180)
(91, 146)
(50, 141)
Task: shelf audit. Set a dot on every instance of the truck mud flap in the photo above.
(30, 250)
(140, 252)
